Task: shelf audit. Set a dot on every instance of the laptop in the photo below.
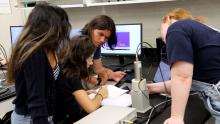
(162, 73)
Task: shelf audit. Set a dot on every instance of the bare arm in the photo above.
(106, 73)
(90, 105)
(98, 67)
(181, 80)
(159, 87)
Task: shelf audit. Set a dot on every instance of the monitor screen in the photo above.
(15, 32)
(75, 32)
(129, 36)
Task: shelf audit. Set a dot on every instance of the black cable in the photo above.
(153, 107)
(3, 52)
(3, 73)
(140, 44)
(137, 49)
(143, 92)
(165, 87)
(166, 90)
(148, 44)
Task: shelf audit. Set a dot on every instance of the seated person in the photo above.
(71, 97)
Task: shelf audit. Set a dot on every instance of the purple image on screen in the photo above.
(123, 39)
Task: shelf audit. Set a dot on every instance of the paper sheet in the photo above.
(117, 96)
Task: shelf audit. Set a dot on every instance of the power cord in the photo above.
(164, 102)
(166, 98)
(142, 91)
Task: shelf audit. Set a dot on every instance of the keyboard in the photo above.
(7, 92)
(126, 79)
(3, 90)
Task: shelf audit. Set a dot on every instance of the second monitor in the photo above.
(129, 37)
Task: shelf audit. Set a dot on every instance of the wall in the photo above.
(149, 14)
(6, 20)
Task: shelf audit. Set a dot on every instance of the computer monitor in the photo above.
(75, 32)
(15, 32)
(129, 37)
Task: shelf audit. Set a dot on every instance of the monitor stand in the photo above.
(117, 63)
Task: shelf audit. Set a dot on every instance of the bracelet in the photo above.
(100, 95)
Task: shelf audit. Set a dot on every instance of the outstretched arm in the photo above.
(90, 105)
(181, 80)
(159, 87)
(106, 73)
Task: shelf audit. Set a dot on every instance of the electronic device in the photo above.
(3, 90)
(7, 92)
(75, 32)
(15, 32)
(161, 49)
(139, 94)
(109, 115)
(129, 36)
(28, 1)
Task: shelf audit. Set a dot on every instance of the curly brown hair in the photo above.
(76, 52)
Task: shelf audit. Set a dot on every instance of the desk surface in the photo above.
(195, 111)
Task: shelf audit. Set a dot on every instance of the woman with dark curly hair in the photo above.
(77, 58)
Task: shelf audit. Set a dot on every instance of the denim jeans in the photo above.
(210, 94)
(24, 119)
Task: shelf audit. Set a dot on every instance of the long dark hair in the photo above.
(46, 27)
(76, 52)
(102, 22)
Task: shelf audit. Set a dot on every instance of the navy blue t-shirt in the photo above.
(194, 42)
(97, 53)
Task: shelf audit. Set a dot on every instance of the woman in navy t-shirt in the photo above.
(193, 51)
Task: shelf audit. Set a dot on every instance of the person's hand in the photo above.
(104, 77)
(91, 79)
(174, 120)
(103, 91)
(156, 88)
(117, 76)
(152, 87)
